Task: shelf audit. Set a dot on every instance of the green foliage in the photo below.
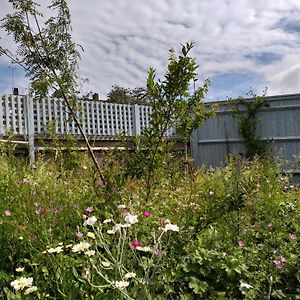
(123, 95)
(173, 106)
(246, 111)
(173, 103)
(48, 54)
(7, 147)
(63, 149)
(238, 233)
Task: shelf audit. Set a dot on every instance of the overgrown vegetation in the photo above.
(222, 234)
(152, 231)
(246, 111)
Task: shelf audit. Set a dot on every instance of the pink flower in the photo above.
(90, 209)
(270, 225)
(241, 243)
(75, 205)
(99, 182)
(293, 237)
(79, 234)
(147, 214)
(157, 251)
(125, 212)
(277, 263)
(8, 213)
(136, 244)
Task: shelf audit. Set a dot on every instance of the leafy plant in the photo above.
(173, 106)
(47, 54)
(246, 111)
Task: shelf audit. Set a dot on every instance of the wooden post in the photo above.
(30, 129)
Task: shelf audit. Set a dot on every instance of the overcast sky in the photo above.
(239, 45)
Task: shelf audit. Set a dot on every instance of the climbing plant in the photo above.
(246, 111)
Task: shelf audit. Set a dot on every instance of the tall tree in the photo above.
(46, 51)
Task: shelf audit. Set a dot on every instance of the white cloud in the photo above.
(122, 39)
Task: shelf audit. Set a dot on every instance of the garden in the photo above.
(231, 233)
(142, 223)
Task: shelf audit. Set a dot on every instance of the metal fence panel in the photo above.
(279, 124)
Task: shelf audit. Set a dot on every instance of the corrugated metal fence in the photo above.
(279, 124)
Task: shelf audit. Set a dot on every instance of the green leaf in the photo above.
(198, 287)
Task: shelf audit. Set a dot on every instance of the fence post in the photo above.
(30, 129)
(136, 119)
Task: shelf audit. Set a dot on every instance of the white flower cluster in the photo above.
(129, 220)
(144, 249)
(130, 275)
(171, 227)
(90, 221)
(245, 286)
(81, 247)
(117, 227)
(57, 249)
(91, 235)
(121, 285)
(22, 283)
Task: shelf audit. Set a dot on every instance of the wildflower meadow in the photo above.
(230, 233)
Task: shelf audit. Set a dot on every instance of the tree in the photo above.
(119, 94)
(47, 53)
(174, 105)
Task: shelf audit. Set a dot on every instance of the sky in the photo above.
(240, 46)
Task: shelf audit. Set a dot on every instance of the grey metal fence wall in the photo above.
(279, 125)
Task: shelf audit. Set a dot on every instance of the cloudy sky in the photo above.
(239, 45)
